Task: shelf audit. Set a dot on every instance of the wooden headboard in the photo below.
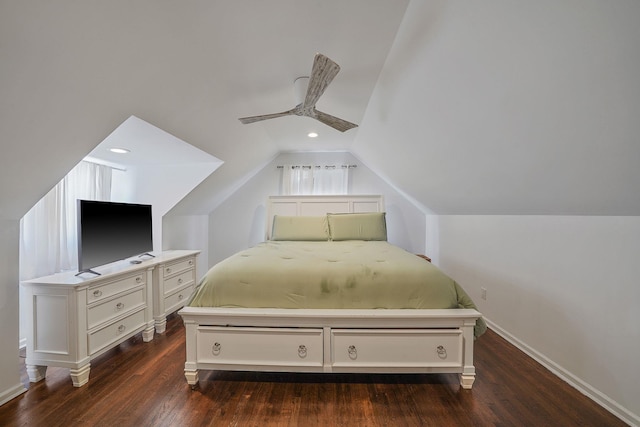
(320, 205)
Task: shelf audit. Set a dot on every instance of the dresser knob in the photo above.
(216, 349)
(190, 262)
(442, 352)
(180, 296)
(353, 352)
(97, 293)
(119, 306)
(121, 328)
(180, 281)
(138, 279)
(168, 270)
(302, 351)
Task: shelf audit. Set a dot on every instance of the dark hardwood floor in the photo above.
(142, 384)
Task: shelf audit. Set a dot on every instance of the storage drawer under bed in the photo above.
(276, 347)
(396, 348)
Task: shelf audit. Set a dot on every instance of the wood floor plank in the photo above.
(142, 384)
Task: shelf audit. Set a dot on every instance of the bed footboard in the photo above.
(339, 341)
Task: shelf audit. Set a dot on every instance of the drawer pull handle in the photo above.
(190, 262)
(353, 352)
(138, 279)
(180, 281)
(168, 270)
(97, 293)
(302, 351)
(216, 349)
(442, 352)
(119, 306)
(121, 328)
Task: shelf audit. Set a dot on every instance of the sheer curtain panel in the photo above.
(307, 180)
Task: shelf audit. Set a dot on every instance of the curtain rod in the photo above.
(318, 167)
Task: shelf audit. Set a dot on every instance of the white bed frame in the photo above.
(336, 340)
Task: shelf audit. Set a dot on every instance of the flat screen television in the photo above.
(110, 231)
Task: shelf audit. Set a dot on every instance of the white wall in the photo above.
(122, 185)
(10, 385)
(188, 232)
(240, 221)
(511, 107)
(161, 186)
(405, 220)
(564, 288)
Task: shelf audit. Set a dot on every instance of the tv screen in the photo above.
(109, 231)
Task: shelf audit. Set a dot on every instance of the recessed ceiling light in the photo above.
(119, 150)
(312, 134)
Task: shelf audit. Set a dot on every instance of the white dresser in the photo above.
(72, 319)
(174, 279)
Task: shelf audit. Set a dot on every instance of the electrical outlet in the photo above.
(483, 293)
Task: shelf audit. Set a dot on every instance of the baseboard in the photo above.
(11, 393)
(600, 398)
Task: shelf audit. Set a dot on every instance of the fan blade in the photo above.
(334, 122)
(252, 119)
(322, 73)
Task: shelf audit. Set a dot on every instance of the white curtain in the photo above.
(314, 180)
(48, 232)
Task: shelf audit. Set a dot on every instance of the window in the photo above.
(315, 179)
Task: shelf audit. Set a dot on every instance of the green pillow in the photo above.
(310, 228)
(358, 226)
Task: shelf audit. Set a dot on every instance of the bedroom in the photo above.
(536, 103)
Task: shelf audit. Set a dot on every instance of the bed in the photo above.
(326, 292)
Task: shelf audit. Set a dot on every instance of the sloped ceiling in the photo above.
(148, 145)
(511, 108)
(468, 108)
(73, 71)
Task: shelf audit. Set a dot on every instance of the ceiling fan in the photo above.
(322, 73)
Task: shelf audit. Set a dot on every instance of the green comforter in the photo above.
(346, 274)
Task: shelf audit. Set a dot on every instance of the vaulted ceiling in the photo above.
(469, 108)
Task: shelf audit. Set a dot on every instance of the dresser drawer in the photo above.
(107, 310)
(105, 290)
(396, 348)
(177, 267)
(260, 346)
(177, 299)
(106, 336)
(178, 281)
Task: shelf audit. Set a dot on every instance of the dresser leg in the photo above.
(36, 372)
(80, 376)
(466, 380)
(161, 325)
(192, 377)
(147, 334)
